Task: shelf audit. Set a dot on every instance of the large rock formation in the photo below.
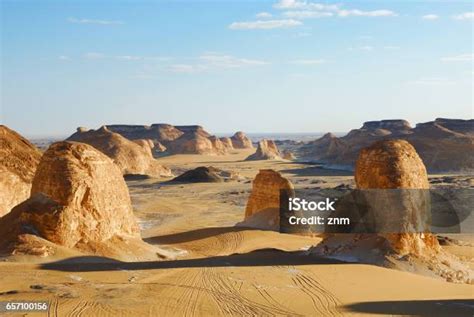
(79, 200)
(288, 155)
(217, 145)
(227, 142)
(200, 174)
(444, 145)
(131, 158)
(192, 143)
(267, 150)
(241, 141)
(159, 132)
(263, 205)
(18, 161)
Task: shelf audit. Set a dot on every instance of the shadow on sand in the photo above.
(193, 235)
(317, 170)
(257, 258)
(452, 307)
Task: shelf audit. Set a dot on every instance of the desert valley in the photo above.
(164, 220)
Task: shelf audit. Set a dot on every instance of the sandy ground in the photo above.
(226, 270)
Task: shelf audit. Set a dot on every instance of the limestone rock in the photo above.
(130, 157)
(288, 155)
(263, 205)
(159, 148)
(217, 145)
(192, 143)
(227, 142)
(146, 144)
(79, 200)
(159, 132)
(241, 141)
(444, 145)
(200, 174)
(18, 161)
(267, 150)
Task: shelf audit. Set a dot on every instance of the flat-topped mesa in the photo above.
(193, 129)
(192, 143)
(18, 161)
(129, 156)
(394, 164)
(267, 150)
(158, 132)
(241, 141)
(457, 125)
(390, 125)
(263, 206)
(79, 199)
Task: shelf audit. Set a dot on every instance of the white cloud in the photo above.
(295, 4)
(465, 16)
(64, 58)
(430, 17)
(265, 25)
(129, 57)
(360, 13)
(93, 55)
(391, 48)
(213, 61)
(459, 58)
(307, 14)
(263, 15)
(366, 48)
(432, 81)
(308, 61)
(92, 21)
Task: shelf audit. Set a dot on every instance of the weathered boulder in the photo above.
(288, 155)
(267, 150)
(241, 141)
(18, 161)
(227, 142)
(131, 158)
(218, 146)
(200, 174)
(263, 206)
(159, 147)
(192, 143)
(79, 199)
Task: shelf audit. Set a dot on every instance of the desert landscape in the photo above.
(172, 221)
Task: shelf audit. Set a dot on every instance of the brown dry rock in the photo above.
(217, 145)
(267, 150)
(18, 161)
(130, 157)
(288, 155)
(241, 141)
(263, 205)
(146, 144)
(79, 200)
(227, 142)
(191, 143)
(159, 148)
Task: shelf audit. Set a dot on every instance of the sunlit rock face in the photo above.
(79, 199)
(263, 205)
(267, 150)
(18, 161)
(241, 141)
(132, 158)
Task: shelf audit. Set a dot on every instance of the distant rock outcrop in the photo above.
(192, 143)
(241, 141)
(160, 132)
(146, 144)
(79, 200)
(267, 150)
(217, 145)
(18, 161)
(130, 157)
(263, 205)
(444, 145)
(201, 174)
(288, 155)
(227, 142)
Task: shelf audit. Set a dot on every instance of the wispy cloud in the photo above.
(308, 61)
(129, 57)
(459, 58)
(465, 16)
(215, 61)
(93, 55)
(432, 81)
(430, 17)
(391, 48)
(361, 13)
(93, 21)
(295, 4)
(263, 15)
(366, 48)
(264, 25)
(64, 58)
(307, 14)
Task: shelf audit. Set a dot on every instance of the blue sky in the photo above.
(257, 66)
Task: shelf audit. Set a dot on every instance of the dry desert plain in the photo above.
(226, 270)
